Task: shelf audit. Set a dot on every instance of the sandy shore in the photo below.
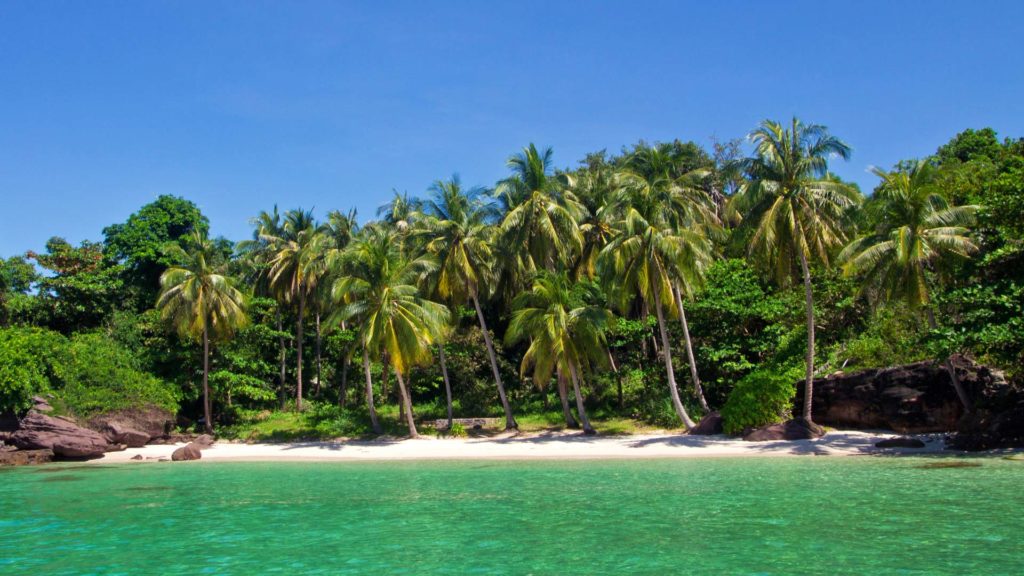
(540, 446)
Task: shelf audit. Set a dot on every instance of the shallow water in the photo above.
(797, 515)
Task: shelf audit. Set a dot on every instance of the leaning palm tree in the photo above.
(798, 212)
(917, 232)
(566, 335)
(201, 302)
(381, 285)
(295, 267)
(646, 259)
(456, 232)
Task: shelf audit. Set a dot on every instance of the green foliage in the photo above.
(28, 360)
(139, 242)
(81, 289)
(97, 376)
(457, 430)
(762, 397)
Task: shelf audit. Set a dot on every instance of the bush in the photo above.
(762, 397)
(97, 375)
(28, 357)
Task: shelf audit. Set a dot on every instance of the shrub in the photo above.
(28, 357)
(762, 397)
(97, 375)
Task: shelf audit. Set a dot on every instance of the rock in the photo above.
(993, 425)
(25, 457)
(204, 441)
(900, 442)
(190, 451)
(708, 425)
(910, 399)
(796, 429)
(40, 404)
(151, 421)
(138, 457)
(8, 422)
(67, 439)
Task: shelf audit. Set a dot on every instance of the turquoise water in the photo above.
(804, 515)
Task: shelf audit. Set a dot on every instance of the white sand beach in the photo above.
(538, 446)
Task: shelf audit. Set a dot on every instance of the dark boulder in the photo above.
(151, 421)
(901, 442)
(994, 425)
(708, 425)
(204, 441)
(67, 439)
(190, 451)
(25, 457)
(796, 429)
(910, 399)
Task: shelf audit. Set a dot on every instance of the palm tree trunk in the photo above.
(618, 376)
(809, 303)
(207, 412)
(447, 383)
(948, 364)
(385, 374)
(510, 422)
(672, 388)
(369, 395)
(563, 395)
(582, 410)
(317, 391)
(407, 404)
(343, 392)
(698, 389)
(298, 339)
(284, 353)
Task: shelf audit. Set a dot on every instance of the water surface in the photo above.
(806, 515)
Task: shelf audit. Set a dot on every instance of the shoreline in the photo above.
(548, 446)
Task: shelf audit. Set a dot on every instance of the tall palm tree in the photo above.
(538, 228)
(457, 234)
(295, 267)
(339, 231)
(797, 211)
(646, 259)
(917, 232)
(595, 191)
(566, 335)
(201, 302)
(382, 286)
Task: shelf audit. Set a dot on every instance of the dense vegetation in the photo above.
(653, 285)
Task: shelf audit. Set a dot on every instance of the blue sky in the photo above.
(241, 105)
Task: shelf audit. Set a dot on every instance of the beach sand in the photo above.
(559, 445)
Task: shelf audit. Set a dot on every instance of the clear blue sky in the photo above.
(241, 105)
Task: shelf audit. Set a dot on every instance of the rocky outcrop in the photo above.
(796, 429)
(37, 431)
(134, 428)
(190, 451)
(24, 457)
(900, 442)
(708, 425)
(911, 399)
(993, 425)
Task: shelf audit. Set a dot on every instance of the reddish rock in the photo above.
(151, 421)
(25, 457)
(204, 441)
(796, 429)
(38, 431)
(708, 425)
(190, 451)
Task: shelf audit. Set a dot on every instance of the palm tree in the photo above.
(917, 232)
(339, 230)
(201, 302)
(380, 283)
(295, 267)
(538, 228)
(595, 191)
(457, 234)
(797, 210)
(648, 256)
(566, 335)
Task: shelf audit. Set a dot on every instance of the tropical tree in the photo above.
(200, 301)
(295, 267)
(457, 234)
(566, 334)
(917, 232)
(798, 213)
(381, 286)
(647, 258)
